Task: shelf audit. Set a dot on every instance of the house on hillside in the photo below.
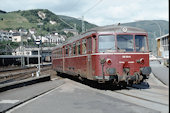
(5, 35)
(43, 39)
(56, 38)
(32, 31)
(16, 37)
(23, 31)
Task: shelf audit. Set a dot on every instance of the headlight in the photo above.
(109, 61)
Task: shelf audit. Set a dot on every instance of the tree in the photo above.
(69, 34)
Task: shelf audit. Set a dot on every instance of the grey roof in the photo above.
(118, 29)
(18, 56)
(166, 35)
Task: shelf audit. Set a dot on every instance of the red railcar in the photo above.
(105, 54)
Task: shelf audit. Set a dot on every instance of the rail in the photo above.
(19, 74)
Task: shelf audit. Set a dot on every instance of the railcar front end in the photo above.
(121, 58)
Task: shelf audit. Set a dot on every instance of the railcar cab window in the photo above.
(106, 43)
(125, 43)
(140, 43)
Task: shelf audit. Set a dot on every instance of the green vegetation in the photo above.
(78, 22)
(7, 46)
(14, 21)
(30, 19)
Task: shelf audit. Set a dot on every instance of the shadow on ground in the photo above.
(104, 86)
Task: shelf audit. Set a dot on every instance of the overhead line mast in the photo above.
(82, 18)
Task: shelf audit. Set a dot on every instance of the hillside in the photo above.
(152, 26)
(14, 21)
(30, 18)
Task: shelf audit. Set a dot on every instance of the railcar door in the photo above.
(63, 52)
(89, 61)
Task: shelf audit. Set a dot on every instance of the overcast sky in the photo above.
(99, 12)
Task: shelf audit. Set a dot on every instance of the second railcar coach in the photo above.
(113, 54)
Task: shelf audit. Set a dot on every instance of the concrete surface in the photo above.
(75, 98)
(17, 96)
(160, 71)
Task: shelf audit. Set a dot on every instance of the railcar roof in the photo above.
(103, 29)
(118, 29)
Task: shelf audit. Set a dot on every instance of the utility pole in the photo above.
(22, 51)
(75, 28)
(38, 41)
(153, 42)
(82, 19)
(41, 24)
(160, 32)
(83, 25)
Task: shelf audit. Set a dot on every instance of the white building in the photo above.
(16, 37)
(56, 39)
(163, 46)
(31, 31)
(44, 39)
(23, 51)
(5, 35)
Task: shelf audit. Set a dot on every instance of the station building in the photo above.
(163, 46)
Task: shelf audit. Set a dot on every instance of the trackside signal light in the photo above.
(109, 61)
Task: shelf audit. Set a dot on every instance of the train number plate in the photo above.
(126, 56)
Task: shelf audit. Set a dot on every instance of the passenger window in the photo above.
(70, 49)
(56, 54)
(61, 52)
(74, 48)
(66, 50)
(84, 46)
(78, 48)
(94, 45)
(89, 45)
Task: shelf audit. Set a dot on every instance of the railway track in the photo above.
(19, 74)
(146, 96)
(8, 69)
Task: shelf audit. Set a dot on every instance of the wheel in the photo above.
(58, 73)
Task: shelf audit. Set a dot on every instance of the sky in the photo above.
(99, 12)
